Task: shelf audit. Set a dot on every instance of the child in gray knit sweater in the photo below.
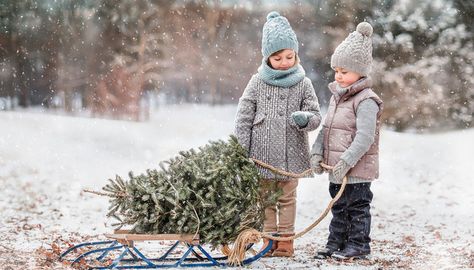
(275, 113)
(349, 141)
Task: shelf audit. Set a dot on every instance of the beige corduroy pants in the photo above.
(280, 217)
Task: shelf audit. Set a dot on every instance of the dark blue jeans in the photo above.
(350, 224)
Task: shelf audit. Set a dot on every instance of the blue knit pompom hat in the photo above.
(277, 35)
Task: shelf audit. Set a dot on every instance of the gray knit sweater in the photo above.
(366, 125)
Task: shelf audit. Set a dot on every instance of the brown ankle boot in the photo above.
(274, 246)
(284, 248)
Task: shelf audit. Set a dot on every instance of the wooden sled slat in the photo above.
(125, 236)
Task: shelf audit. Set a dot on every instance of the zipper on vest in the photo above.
(326, 138)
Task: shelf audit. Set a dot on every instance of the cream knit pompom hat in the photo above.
(355, 52)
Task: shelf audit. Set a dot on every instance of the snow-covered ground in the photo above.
(422, 209)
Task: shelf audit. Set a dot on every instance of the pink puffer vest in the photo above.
(340, 129)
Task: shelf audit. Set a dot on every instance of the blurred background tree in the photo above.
(115, 59)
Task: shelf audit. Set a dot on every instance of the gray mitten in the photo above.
(340, 170)
(301, 118)
(315, 164)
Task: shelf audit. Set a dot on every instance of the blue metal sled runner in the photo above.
(121, 253)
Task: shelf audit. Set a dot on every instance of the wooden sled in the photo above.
(121, 253)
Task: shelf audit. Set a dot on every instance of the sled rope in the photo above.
(281, 172)
(248, 236)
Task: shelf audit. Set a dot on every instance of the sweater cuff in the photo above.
(349, 159)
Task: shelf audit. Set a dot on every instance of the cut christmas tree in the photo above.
(214, 192)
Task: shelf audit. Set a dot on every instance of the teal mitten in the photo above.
(301, 118)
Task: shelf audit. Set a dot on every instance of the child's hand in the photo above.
(315, 164)
(301, 118)
(340, 170)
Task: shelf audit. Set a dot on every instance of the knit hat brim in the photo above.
(349, 63)
(272, 48)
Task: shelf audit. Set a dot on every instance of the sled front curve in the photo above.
(120, 252)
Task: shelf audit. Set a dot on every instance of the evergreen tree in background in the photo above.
(111, 58)
(214, 192)
(423, 55)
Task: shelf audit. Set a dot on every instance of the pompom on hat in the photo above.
(355, 52)
(277, 35)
